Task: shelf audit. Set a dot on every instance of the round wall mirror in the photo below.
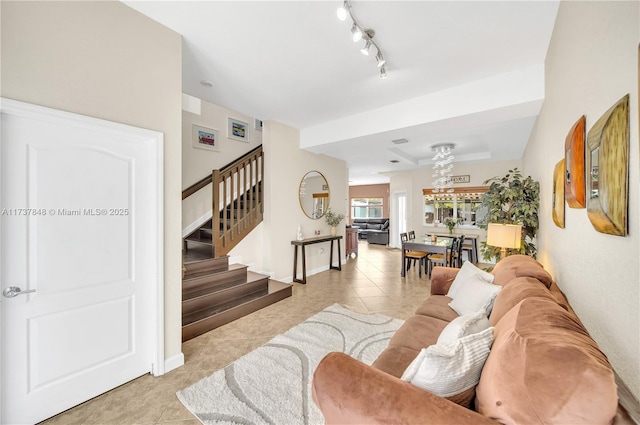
(314, 194)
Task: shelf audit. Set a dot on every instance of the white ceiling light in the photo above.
(359, 34)
(383, 72)
(342, 11)
(365, 49)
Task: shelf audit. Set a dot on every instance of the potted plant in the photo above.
(451, 224)
(333, 220)
(512, 199)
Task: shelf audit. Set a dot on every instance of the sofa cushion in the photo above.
(545, 369)
(462, 326)
(450, 369)
(374, 226)
(514, 266)
(516, 291)
(416, 333)
(468, 271)
(385, 226)
(437, 306)
(474, 294)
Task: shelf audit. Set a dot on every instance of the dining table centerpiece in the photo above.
(451, 224)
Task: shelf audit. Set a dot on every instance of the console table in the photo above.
(310, 241)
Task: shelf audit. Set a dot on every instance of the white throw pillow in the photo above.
(467, 270)
(447, 370)
(475, 294)
(462, 326)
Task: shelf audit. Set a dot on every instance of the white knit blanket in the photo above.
(272, 384)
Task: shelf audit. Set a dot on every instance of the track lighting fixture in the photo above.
(383, 72)
(342, 11)
(358, 34)
(365, 49)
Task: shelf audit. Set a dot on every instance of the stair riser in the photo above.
(214, 264)
(221, 297)
(212, 280)
(205, 325)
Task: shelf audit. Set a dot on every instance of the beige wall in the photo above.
(198, 163)
(371, 191)
(591, 63)
(105, 60)
(285, 165)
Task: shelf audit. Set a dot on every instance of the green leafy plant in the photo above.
(332, 218)
(512, 199)
(451, 223)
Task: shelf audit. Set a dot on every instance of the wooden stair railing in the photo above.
(237, 200)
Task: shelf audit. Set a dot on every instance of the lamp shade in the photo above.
(504, 235)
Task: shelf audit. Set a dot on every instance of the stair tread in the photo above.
(214, 261)
(203, 314)
(197, 275)
(200, 292)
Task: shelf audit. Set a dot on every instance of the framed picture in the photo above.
(258, 124)
(461, 179)
(608, 168)
(574, 165)
(557, 204)
(238, 130)
(205, 138)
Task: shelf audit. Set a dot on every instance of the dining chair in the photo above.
(441, 260)
(413, 256)
(412, 234)
(455, 257)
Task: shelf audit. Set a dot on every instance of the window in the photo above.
(464, 204)
(366, 207)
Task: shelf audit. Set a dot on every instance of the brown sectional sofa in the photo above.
(543, 366)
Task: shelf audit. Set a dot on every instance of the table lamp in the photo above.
(504, 236)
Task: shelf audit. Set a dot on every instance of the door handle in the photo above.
(14, 291)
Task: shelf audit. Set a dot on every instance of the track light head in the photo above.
(357, 33)
(342, 11)
(380, 59)
(383, 72)
(365, 49)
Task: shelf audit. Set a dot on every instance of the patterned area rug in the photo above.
(272, 384)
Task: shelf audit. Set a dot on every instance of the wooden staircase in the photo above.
(213, 292)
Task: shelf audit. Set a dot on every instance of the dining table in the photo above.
(424, 244)
(469, 238)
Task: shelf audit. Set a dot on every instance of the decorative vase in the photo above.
(334, 230)
(299, 234)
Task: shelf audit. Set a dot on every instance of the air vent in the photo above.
(394, 161)
(400, 141)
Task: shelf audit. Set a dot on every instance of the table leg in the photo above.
(402, 273)
(295, 262)
(331, 266)
(474, 251)
(304, 266)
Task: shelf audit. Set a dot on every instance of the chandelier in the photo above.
(442, 167)
(359, 33)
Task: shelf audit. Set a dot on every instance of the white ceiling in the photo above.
(467, 72)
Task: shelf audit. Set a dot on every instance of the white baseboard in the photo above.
(199, 222)
(173, 362)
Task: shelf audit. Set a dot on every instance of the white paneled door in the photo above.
(81, 249)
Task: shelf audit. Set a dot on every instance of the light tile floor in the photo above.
(369, 283)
